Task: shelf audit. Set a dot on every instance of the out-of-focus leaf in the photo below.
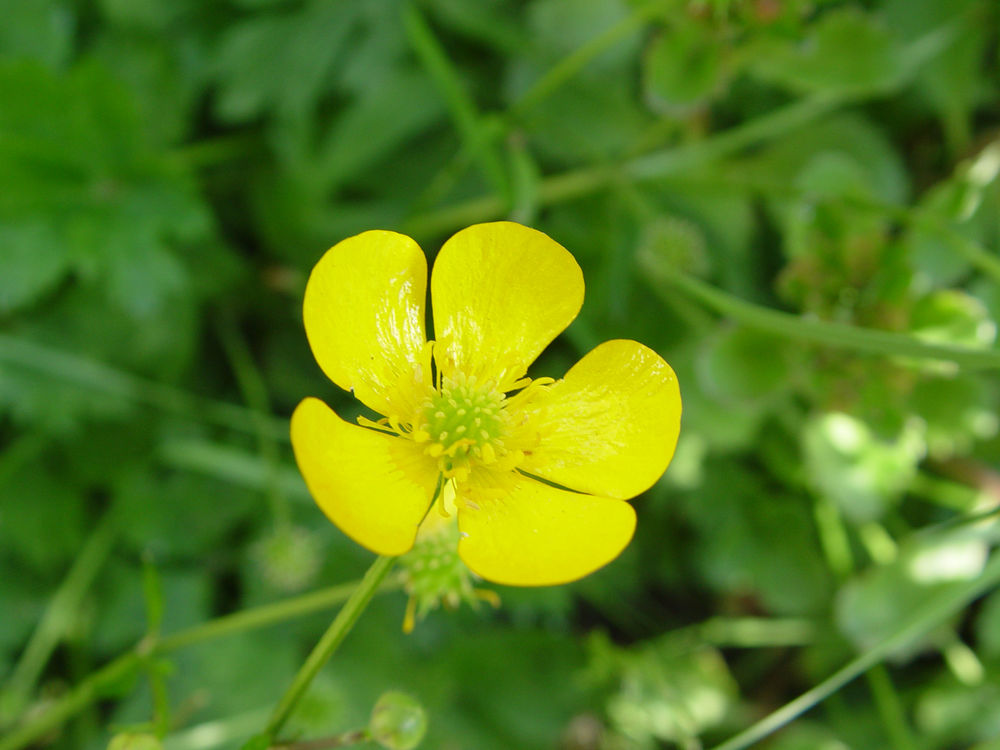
(560, 27)
(41, 30)
(958, 411)
(876, 603)
(163, 512)
(863, 474)
(165, 78)
(953, 317)
(121, 622)
(820, 62)
(662, 693)
(31, 264)
(83, 322)
(281, 62)
(988, 626)
(42, 519)
(742, 364)
(951, 82)
(855, 138)
(75, 148)
(751, 547)
(951, 714)
(683, 68)
(374, 124)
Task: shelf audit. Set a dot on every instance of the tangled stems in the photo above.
(99, 683)
(329, 643)
(925, 619)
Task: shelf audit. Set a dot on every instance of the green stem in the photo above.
(101, 378)
(59, 614)
(890, 708)
(937, 611)
(577, 60)
(672, 161)
(254, 390)
(814, 331)
(475, 133)
(79, 697)
(269, 614)
(329, 643)
(344, 739)
(755, 632)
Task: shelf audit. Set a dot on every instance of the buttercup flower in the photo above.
(540, 469)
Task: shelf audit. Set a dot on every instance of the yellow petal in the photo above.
(532, 534)
(610, 426)
(364, 317)
(500, 293)
(375, 487)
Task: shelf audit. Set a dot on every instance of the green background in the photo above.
(794, 202)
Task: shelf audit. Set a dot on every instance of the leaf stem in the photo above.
(90, 689)
(102, 378)
(935, 612)
(62, 608)
(815, 331)
(472, 128)
(329, 642)
(890, 708)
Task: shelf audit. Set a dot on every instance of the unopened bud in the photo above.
(398, 721)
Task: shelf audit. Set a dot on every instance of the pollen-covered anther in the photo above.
(463, 424)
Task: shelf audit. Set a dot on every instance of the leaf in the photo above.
(862, 473)
(844, 51)
(41, 30)
(850, 136)
(662, 693)
(32, 263)
(76, 149)
(683, 68)
(743, 364)
(42, 520)
(879, 601)
(751, 540)
(281, 63)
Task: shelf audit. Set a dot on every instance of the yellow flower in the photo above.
(540, 469)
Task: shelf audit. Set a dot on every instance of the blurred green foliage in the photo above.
(170, 171)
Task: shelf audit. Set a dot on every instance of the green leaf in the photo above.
(845, 51)
(41, 30)
(878, 602)
(42, 520)
(76, 150)
(862, 473)
(683, 68)
(950, 316)
(662, 693)
(281, 63)
(743, 364)
(32, 263)
(958, 411)
(746, 546)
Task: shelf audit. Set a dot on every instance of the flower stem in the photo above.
(329, 643)
(99, 682)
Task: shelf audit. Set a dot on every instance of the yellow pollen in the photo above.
(463, 425)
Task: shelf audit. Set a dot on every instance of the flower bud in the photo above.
(398, 721)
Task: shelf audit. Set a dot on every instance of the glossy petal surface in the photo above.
(610, 426)
(375, 487)
(500, 293)
(364, 317)
(531, 534)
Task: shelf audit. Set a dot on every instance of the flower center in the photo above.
(462, 423)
